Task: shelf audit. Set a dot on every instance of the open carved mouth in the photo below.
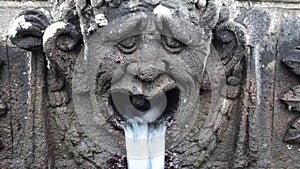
(145, 109)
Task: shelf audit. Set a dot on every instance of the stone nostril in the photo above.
(148, 74)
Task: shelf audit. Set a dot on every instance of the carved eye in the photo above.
(173, 45)
(128, 45)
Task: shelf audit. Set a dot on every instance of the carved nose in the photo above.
(148, 74)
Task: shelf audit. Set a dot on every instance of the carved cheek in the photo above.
(195, 63)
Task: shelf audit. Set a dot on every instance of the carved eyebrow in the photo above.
(181, 30)
(124, 27)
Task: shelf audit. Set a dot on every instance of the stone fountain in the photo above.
(124, 78)
(130, 84)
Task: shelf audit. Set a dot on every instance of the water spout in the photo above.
(145, 145)
(144, 116)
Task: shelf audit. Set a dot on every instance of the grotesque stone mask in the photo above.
(143, 62)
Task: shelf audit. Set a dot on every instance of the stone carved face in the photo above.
(142, 67)
(145, 65)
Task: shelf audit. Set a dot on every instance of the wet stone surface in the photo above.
(243, 112)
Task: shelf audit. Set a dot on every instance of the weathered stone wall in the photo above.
(262, 130)
(268, 117)
(14, 88)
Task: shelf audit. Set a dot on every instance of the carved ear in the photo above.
(230, 42)
(26, 30)
(61, 44)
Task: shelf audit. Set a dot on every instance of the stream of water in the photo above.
(145, 145)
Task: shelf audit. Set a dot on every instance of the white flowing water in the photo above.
(145, 145)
